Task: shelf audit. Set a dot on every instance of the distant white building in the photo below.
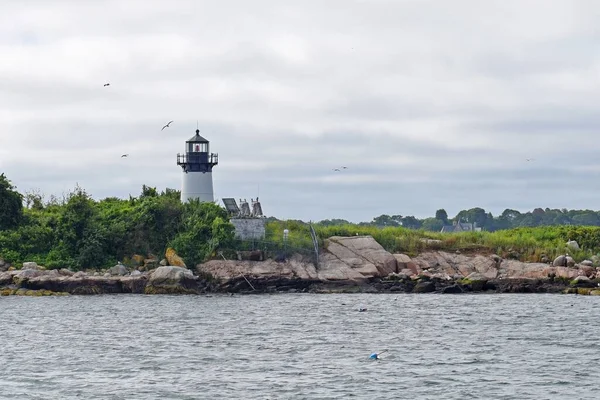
(458, 226)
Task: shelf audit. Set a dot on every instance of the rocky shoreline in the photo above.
(347, 265)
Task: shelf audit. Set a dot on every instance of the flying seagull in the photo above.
(344, 167)
(125, 155)
(167, 125)
(529, 159)
(336, 169)
(106, 84)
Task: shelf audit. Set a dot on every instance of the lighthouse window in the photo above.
(197, 148)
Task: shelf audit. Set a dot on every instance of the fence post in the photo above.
(313, 235)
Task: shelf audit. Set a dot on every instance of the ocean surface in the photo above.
(300, 346)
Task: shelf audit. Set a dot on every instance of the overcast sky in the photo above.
(430, 104)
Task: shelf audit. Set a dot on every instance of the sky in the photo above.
(429, 104)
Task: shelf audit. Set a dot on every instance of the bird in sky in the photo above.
(106, 84)
(336, 169)
(344, 167)
(167, 125)
(529, 159)
(125, 155)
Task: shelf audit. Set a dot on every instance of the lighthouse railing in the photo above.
(213, 158)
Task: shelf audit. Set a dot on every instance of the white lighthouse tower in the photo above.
(197, 164)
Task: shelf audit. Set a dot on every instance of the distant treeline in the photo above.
(509, 219)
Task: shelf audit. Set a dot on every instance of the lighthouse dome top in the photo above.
(197, 138)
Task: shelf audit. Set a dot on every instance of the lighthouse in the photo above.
(197, 164)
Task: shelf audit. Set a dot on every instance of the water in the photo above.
(300, 346)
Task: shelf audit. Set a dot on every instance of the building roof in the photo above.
(197, 138)
(461, 227)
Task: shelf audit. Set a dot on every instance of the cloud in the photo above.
(430, 104)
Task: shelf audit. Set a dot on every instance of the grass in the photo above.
(525, 244)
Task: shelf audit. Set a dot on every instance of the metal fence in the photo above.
(279, 251)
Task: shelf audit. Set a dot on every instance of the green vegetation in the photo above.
(509, 219)
(526, 244)
(79, 232)
(11, 208)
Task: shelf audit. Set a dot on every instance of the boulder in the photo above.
(27, 273)
(441, 276)
(65, 272)
(587, 263)
(476, 276)
(150, 263)
(452, 289)
(173, 259)
(163, 262)
(476, 280)
(338, 257)
(587, 270)
(580, 278)
(572, 244)
(5, 278)
(31, 265)
(564, 272)
(3, 265)
(331, 268)
(570, 261)
(362, 250)
(456, 264)
(135, 273)
(404, 262)
(80, 283)
(171, 280)
(118, 269)
(424, 287)
(407, 272)
(560, 261)
(138, 259)
(133, 283)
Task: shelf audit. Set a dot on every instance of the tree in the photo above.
(76, 227)
(148, 191)
(442, 215)
(387, 220)
(432, 224)
(333, 222)
(205, 228)
(34, 199)
(411, 222)
(587, 217)
(11, 205)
